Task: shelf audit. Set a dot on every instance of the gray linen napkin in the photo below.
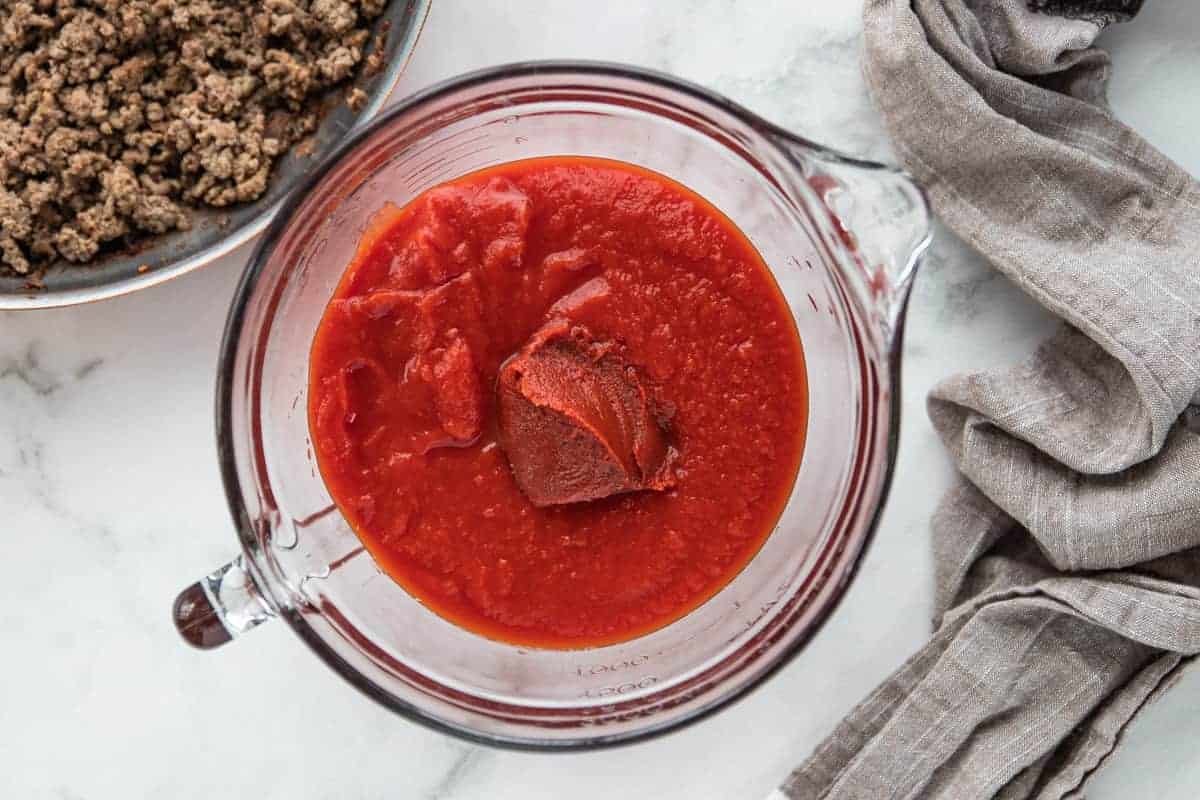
(1066, 570)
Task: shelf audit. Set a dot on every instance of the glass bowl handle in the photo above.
(220, 606)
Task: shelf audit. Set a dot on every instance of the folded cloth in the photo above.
(1066, 558)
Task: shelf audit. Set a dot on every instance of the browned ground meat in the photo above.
(117, 116)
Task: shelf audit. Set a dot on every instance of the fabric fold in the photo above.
(1066, 560)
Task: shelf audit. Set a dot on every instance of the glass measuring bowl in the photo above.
(842, 237)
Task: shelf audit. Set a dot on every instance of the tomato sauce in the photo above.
(561, 401)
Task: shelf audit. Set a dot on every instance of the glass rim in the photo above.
(234, 330)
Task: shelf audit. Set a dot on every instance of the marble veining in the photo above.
(110, 499)
(456, 775)
(29, 371)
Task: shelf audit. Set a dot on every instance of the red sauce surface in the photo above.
(403, 409)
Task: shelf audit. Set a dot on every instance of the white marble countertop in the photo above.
(110, 499)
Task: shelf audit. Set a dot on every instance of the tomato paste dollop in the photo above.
(577, 422)
(561, 401)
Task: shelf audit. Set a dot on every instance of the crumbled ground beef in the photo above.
(118, 116)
